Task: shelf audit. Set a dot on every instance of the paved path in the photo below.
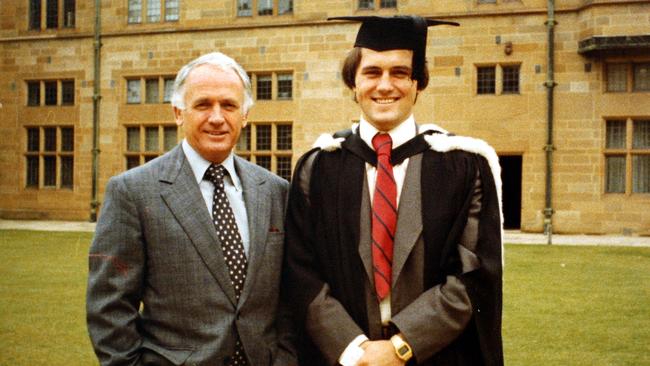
(511, 236)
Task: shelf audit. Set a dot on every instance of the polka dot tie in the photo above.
(231, 244)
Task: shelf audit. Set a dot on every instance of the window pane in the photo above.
(264, 87)
(388, 4)
(69, 13)
(135, 11)
(35, 14)
(152, 91)
(50, 93)
(263, 161)
(616, 77)
(32, 171)
(67, 171)
(67, 92)
(641, 173)
(149, 158)
(510, 79)
(284, 167)
(52, 16)
(486, 80)
(285, 86)
(133, 138)
(244, 8)
(33, 93)
(153, 10)
(615, 174)
(615, 138)
(169, 90)
(263, 137)
(49, 171)
(285, 7)
(33, 139)
(171, 10)
(642, 77)
(641, 135)
(67, 139)
(151, 139)
(133, 91)
(50, 139)
(170, 137)
(132, 162)
(366, 4)
(264, 7)
(244, 143)
(284, 137)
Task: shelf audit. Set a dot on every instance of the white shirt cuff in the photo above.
(353, 351)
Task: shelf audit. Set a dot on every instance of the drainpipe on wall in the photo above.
(94, 204)
(550, 85)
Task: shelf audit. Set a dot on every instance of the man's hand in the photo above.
(379, 353)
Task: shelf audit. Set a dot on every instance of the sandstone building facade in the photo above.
(65, 131)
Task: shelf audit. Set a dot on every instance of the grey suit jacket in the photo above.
(158, 288)
(429, 319)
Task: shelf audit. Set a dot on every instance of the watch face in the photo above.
(403, 350)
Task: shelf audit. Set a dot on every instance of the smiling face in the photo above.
(384, 88)
(213, 116)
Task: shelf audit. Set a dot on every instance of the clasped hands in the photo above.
(379, 353)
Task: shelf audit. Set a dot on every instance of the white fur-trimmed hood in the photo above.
(441, 142)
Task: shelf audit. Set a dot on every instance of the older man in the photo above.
(185, 263)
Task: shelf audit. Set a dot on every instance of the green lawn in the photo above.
(562, 305)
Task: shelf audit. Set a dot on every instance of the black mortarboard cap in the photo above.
(391, 33)
(395, 33)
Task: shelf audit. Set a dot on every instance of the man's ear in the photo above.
(178, 115)
(244, 121)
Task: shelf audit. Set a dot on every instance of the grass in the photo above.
(42, 298)
(577, 305)
(562, 305)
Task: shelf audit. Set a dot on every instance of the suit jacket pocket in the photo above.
(153, 354)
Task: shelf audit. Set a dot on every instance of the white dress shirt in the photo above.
(232, 186)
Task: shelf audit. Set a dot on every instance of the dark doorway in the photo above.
(511, 178)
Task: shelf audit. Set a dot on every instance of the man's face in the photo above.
(384, 88)
(213, 116)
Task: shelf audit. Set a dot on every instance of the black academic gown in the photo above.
(323, 236)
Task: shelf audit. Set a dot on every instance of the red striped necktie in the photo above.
(384, 216)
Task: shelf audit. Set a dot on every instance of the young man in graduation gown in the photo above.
(394, 251)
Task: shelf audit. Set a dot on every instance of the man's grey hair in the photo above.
(217, 59)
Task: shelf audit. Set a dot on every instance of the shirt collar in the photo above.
(199, 165)
(400, 134)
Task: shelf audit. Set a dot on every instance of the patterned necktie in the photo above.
(384, 216)
(231, 244)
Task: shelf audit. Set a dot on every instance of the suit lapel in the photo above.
(365, 233)
(182, 195)
(409, 217)
(258, 207)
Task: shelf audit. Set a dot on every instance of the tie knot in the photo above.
(215, 174)
(382, 143)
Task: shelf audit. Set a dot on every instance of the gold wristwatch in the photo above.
(402, 349)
